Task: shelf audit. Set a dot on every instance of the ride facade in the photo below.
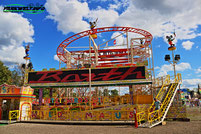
(81, 88)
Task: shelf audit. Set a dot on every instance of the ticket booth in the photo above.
(15, 98)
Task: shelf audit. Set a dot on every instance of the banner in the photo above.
(81, 76)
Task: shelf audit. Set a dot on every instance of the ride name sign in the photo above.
(80, 77)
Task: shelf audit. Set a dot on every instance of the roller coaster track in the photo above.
(66, 42)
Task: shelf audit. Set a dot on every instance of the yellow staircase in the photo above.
(165, 96)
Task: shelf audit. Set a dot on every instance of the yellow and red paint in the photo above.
(68, 115)
(11, 91)
(23, 94)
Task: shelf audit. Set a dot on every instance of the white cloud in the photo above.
(56, 58)
(120, 40)
(157, 67)
(167, 68)
(105, 17)
(114, 6)
(68, 15)
(14, 31)
(187, 45)
(183, 66)
(198, 70)
(160, 17)
(190, 83)
(156, 16)
(12, 55)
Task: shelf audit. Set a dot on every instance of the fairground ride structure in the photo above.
(105, 64)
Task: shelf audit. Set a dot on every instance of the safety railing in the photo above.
(153, 116)
(67, 115)
(161, 92)
(168, 98)
(14, 115)
(160, 81)
(141, 116)
(125, 114)
(156, 115)
(178, 78)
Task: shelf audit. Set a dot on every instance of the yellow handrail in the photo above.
(156, 115)
(14, 115)
(161, 92)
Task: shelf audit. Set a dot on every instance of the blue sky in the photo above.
(64, 18)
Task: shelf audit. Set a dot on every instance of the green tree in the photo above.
(17, 76)
(46, 92)
(5, 74)
(114, 92)
(105, 92)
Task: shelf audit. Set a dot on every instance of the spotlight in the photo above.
(23, 66)
(30, 66)
(167, 57)
(177, 57)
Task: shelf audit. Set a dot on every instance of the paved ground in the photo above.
(172, 127)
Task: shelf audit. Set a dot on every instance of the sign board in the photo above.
(9, 89)
(80, 77)
(27, 90)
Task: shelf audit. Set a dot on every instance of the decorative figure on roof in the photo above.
(27, 48)
(93, 24)
(170, 39)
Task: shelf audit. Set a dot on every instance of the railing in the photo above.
(141, 116)
(178, 78)
(67, 115)
(158, 114)
(159, 81)
(14, 115)
(149, 115)
(161, 92)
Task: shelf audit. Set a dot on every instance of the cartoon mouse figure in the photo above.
(170, 39)
(27, 50)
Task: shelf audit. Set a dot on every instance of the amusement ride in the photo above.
(82, 85)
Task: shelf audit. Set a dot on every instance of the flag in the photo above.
(114, 42)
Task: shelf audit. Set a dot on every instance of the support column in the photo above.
(131, 94)
(12, 106)
(40, 96)
(1, 111)
(51, 92)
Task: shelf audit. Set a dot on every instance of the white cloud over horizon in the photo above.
(168, 67)
(15, 30)
(190, 83)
